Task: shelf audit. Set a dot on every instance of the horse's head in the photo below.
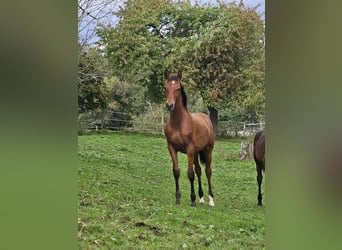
(173, 89)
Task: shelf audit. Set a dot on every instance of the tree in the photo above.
(92, 91)
(102, 89)
(136, 47)
(220, 50)
(93, 14)
(223, 54)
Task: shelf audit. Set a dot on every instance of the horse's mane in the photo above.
(184, 96)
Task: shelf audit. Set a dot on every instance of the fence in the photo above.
(152, 123)
(147, 123)
(230, 129)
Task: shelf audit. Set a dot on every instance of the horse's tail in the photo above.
(202, 156)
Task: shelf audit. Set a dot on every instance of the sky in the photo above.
(88, 24)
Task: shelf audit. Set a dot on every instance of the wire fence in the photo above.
(154, 124)
(243, 129)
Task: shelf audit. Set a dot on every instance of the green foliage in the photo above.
(92, 91)
(223, 56)
(126, 197)
(136, 48)
(124, 96)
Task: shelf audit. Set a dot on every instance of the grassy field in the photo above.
(127, 201)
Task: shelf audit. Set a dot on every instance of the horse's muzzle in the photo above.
(170, 107)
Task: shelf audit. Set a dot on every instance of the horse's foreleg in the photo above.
(199, 173)
(208, 172)
(176, 172)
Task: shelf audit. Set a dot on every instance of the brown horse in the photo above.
(259, 157)
(188, 133)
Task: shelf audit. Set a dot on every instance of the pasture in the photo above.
(126, 197)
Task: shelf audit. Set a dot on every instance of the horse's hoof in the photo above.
(211, 201)
(202, 200)
(193, 204)
(177, 202)
(259, 202)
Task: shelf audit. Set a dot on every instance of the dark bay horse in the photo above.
(259, 157)
(188, 133)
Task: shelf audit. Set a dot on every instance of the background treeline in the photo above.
(220, 49)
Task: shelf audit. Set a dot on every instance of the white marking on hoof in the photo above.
(201, 200)
(211, 201)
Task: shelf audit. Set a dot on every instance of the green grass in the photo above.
(126, 197)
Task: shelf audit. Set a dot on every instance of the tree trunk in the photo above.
(213, 115)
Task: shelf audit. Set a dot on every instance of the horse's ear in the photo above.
(166, 74)
(179, 75)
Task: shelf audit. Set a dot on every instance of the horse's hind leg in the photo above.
(199, 173)
(208, 172)
(191, 176)
(259, 179)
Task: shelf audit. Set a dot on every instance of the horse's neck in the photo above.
(179, 115)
